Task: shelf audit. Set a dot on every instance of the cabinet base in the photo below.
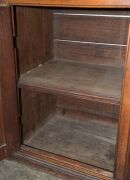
(59, 166)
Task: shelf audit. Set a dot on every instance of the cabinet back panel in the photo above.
(90, 53)
(103, 110)
(60, 125)
(91, 28)
(94, 37)
(89, 36)
(37, 108)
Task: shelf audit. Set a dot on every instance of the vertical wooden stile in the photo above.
(124, 122)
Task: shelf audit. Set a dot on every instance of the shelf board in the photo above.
(90, 141)
(94, 82)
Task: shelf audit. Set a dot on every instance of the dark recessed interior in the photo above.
(70, 65)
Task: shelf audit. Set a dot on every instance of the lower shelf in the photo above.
(91, 141)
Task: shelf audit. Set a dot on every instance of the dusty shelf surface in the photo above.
(82, 80)
(88, 141)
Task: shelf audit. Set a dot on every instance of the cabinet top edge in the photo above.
(74, 3)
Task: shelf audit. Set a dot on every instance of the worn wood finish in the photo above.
(36, 121)
(124, 123)
(104, 110)
(35, 107)
(2, 137)
(80, 80)
(65, 78)
(89, 141)
(70, 26)
(95, 53)
(101, 36)
(8, 83)
(34, 37)
(90, 28)
(73, 3)
(3, 152)
(23, 157)
(62, 164)
(39, 121)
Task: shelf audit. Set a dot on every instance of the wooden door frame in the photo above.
(3, 146)
(124, 122)
(9, 109)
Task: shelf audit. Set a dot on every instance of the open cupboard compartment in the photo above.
(71, 66)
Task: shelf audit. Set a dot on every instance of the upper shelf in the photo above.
(75, 3)
(84, 81)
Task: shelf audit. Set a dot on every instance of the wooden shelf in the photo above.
(89, 141)
(84, 81)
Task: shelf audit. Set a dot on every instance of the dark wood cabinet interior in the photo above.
(70, 66)
(71, 69)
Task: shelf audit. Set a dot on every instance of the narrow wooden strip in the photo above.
(124, 122)
(8, 81)
(77, 3)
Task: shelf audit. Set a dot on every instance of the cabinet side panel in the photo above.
(36, 107)
(34, 36)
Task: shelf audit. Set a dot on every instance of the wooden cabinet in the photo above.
(65, 93)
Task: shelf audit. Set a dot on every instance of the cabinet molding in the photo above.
(73, 3)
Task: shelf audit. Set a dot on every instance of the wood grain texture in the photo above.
(73, 3)
(75, 79)
(39, 106)
(8, 81)
(31, 16)
(90, 28)
(89, 141)
(3, 152)
(124, 123)
(63, 164)
(91, 36)
(89, 53)
(34, 37)
(2, 135)
(107, 111)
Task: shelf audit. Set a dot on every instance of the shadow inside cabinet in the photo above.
(71, 67)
